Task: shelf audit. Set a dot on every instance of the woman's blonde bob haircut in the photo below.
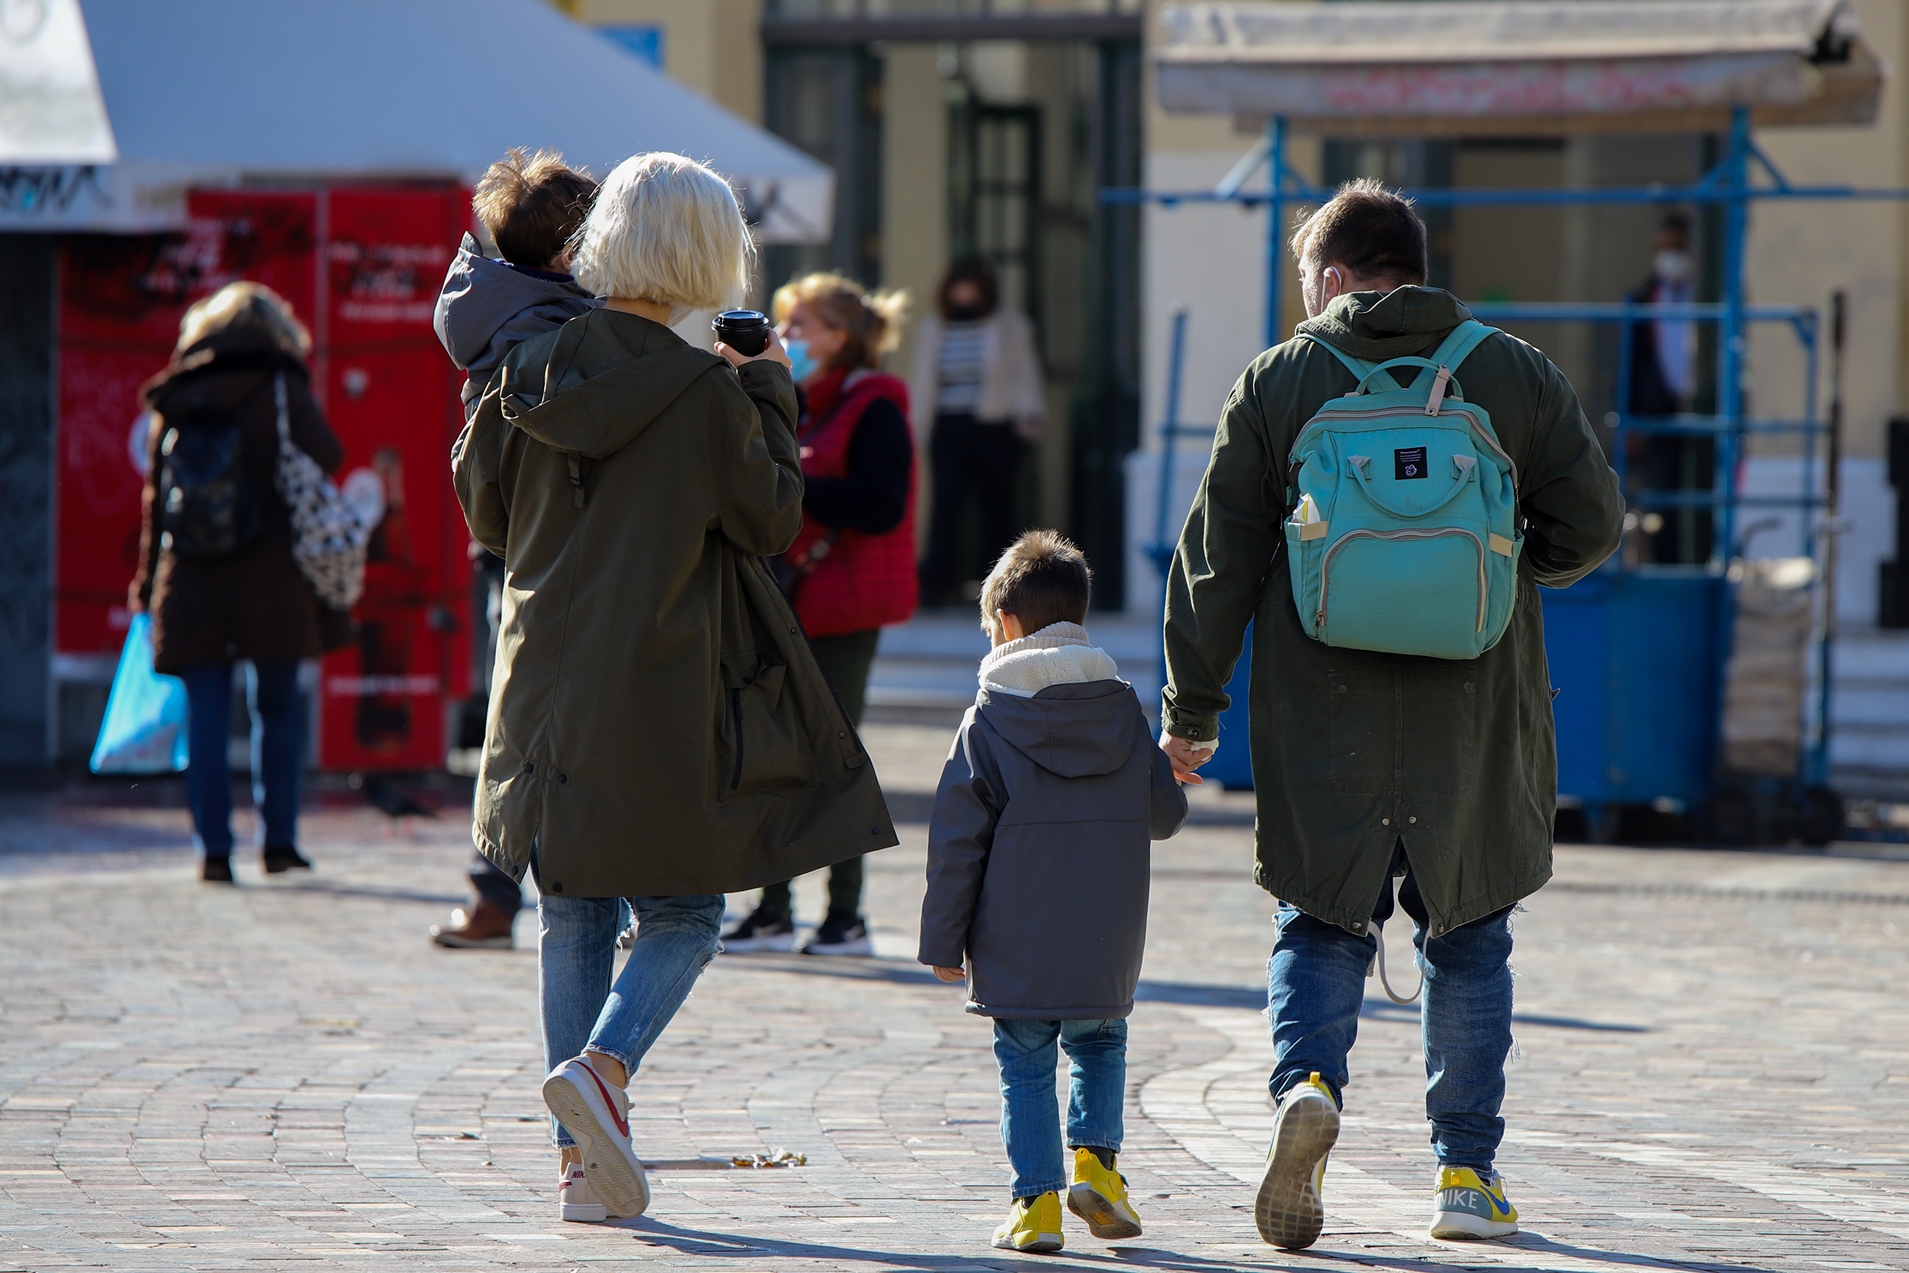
(665, 229)
(252, 306)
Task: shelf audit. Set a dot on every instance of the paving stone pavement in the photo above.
(1712, 1070)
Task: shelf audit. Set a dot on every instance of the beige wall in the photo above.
(711, 46)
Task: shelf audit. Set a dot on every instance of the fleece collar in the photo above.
(1056, 655)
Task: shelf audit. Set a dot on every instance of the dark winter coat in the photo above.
(253, 603)
(1038, 848)
(658, 724)
(486, 307)
(1354, 751)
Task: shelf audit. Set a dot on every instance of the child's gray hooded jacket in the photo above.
(1038, 850)
(486, 307)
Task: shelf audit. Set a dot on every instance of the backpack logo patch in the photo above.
(1408, 462)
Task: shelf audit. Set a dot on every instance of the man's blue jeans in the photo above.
(676, 937)
(278, 748)
(1316, 983)
(1030, 1116)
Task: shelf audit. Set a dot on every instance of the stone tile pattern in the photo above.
(1712, 1071)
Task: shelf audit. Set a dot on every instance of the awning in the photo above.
(1530, 67)
(237, 92)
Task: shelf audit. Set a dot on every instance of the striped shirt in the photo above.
(962, 365)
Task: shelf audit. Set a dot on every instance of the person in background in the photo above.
(1663, 383)
(852, 569)
(979, 396)
(215, 565)
(531, 206)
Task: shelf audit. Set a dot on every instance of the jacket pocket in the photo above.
(762, 744)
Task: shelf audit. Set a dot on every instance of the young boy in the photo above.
(1037, 881)
(530, 205)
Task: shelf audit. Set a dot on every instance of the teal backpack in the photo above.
(1403, 534)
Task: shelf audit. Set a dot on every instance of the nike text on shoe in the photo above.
(1472, 1205)
(1033, 1225)
(1289, 1211)
(575, 1201)
(1099, 1196)
(597, 1117)
(760, 932)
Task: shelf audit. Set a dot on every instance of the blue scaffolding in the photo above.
(1638, 652)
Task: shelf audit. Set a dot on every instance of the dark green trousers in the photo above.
(845, 660)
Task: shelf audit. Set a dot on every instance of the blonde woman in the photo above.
(852, 569)
(659, 733)
(215, 562)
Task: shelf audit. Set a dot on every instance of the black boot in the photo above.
(284, 857)
(216, 870)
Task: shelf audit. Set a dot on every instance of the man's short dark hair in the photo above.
(530, 205)
(1041, 579)
(1366, 230)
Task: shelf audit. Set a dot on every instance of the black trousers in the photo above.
(845, 660)
(976, 460)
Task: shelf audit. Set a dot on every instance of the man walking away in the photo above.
(1370, 765)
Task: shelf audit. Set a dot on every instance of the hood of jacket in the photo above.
(1059, 701)
(479, 308)
(1381, 325)
(218, 373)
(593, 385)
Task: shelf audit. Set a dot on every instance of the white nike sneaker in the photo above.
(574, 1199)
(597, 1117)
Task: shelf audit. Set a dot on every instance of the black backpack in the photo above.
(207, 507)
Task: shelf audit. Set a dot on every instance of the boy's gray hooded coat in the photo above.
(486, 307)
(1038, 855)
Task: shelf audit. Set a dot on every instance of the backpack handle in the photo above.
(1358, 468)
(1426, 363)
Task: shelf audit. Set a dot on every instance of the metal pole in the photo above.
(1169, 442)
(1818, 768)
(1730, 333)
(1275, 224)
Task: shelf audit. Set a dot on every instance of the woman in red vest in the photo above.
(852, 569)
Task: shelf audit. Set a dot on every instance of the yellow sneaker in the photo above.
(1289, 1211)
(1472, 1206)
(1033, 1225)
(1099, 1197)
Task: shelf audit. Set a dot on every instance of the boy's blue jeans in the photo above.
(1030, 1117)
(278, 749)
(1316, 983)
(676, 937)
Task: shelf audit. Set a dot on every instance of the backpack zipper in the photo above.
(1378, 413)
(1325, 564)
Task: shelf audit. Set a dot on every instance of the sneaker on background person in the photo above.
(1033, 1224)
(1290, 1210)
(575, 1200)
(485, 926)
(840, 935)
(762, 930)
(279, 858)
(217, 870)
(1471, 1205)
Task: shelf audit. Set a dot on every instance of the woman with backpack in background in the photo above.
(215, 562)
(852, 569)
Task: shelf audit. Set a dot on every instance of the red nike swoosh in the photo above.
(603, 1087)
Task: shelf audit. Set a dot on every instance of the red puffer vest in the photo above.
(864, 581)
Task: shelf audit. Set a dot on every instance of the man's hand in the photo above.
(1187, 756)
(950, 974)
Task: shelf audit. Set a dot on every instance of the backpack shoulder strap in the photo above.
(1462, 339)
(1361, 369)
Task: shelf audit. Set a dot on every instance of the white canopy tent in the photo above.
(1531, 67)
(173, 94)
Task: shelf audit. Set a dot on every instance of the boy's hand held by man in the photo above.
(1187, 756)
(950, 974)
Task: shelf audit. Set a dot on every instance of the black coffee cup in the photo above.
(744, 330)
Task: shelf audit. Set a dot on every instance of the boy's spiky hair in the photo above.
(531, 205)
(1041, 578)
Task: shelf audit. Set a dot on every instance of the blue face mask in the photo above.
(801, 364)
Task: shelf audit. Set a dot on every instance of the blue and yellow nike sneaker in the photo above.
(1288, 1211)
(1472, 1206)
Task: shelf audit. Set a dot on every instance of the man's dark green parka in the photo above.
(658, 725)
(1355, 751)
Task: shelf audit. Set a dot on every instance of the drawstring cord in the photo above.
(1378, 964)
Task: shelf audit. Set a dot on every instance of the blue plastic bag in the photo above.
(145, 727)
